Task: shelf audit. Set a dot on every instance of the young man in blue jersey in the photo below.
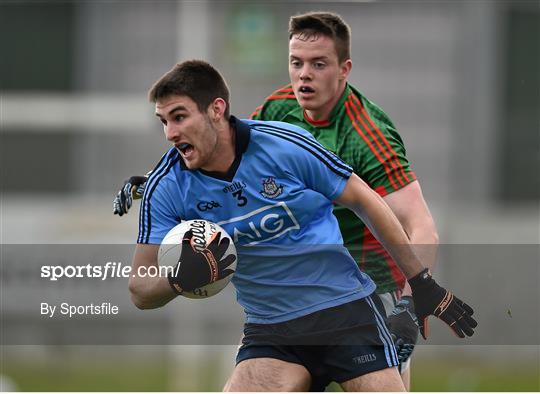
(320, 100)
(295, 279)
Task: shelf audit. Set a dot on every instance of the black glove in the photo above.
(200, 267)
(133, 189)
(403, 326)
(432, 299)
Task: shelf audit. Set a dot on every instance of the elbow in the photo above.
(143, 299)
(429, 232)
(140, 303)
(143, 303)
(137, 297)
(433, 236)
(423, 233)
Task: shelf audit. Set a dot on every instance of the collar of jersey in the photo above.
(299, 114)
(243, 134)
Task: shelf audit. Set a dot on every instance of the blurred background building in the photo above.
(460, 79)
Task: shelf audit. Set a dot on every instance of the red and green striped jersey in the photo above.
(362, 135)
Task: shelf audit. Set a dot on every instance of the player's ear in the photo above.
(345, 69)
(217, 109)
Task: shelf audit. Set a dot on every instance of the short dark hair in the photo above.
(195, 79)
(312, 24)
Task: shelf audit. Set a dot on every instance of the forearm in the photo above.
(425, 243)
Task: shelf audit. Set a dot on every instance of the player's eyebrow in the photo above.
(292, 57)
(319, 58)
(177, 108)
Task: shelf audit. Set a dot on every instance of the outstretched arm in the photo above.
(410, 208)
(429, 297)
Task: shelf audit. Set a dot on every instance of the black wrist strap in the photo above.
(422, 278)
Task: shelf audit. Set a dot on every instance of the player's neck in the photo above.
(224, 154)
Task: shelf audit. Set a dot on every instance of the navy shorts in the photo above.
(334, 344)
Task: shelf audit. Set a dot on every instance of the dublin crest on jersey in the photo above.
(270, 188)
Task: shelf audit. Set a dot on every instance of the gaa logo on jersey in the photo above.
(207, 205)
(270, 188)
(262, 224)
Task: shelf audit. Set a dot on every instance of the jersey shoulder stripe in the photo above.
(389, 151)
(256, 112)
(377, 142)
(334, 163)
(285, 92)
(273, 103)
(281, 96)
(361, 129)
(162, 169)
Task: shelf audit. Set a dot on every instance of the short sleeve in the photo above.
(318, 168)
(158, 214)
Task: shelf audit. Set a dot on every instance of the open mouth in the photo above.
(185, 148)
(306, 89)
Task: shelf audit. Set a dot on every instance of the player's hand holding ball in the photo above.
(205, 262)
(198, 268)
(432, 299)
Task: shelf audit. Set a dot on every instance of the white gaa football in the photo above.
(203, 231)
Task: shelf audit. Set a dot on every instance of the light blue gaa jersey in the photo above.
(276, 203)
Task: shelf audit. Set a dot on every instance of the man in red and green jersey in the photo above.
(362, 135)
(320, 100)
